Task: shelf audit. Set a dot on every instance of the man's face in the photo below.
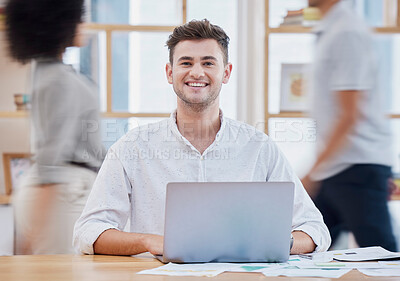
(197, 73)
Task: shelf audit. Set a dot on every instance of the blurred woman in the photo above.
(65, 125)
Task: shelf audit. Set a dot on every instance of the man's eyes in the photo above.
(187, 63)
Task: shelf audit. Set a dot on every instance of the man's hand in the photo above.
(154, 243)
(115, 242)
(302, 243)
(312, 187)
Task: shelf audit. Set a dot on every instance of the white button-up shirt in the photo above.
(132, 181)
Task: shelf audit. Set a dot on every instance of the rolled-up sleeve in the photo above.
(306, 217)
(108, 205)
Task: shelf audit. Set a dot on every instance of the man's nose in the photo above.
(197, 71)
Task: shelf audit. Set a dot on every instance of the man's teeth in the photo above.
(197, 84)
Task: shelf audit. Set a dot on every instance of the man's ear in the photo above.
(227, 72)
(168, 72)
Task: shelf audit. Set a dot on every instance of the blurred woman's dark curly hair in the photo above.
(41, 28)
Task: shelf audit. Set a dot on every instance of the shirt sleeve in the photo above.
(108, 205)
(306, 217)
(350, 61)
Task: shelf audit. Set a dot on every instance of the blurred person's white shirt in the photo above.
(345, 60)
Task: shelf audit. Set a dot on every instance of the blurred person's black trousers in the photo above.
(356, 200)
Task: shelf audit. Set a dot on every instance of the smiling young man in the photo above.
(196, 144)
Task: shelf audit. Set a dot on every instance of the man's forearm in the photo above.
(302, 243)
(115, 242)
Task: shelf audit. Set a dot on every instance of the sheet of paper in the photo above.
(206, 269)
(259, 267)
(364, 254)
(319, 257)
(256, 267)
(390, 264)
(353, 265)
(380, 271)
(297, 272)
(354, 255)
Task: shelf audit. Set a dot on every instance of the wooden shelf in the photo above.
(14, 114)
(303, 29)
(282, 114)
(25, 114)
(5, 199)
(288, 114)
(128, 27)
(393, 29)
(130, 115)
(119, 27)
(299, 114)
(290, 29)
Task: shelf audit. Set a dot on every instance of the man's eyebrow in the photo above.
(185, 58)
(208, 58)
(202, 58)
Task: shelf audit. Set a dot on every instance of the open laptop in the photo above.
(228, 222)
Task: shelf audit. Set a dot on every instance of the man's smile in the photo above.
(196, 84)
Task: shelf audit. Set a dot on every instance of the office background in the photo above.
(126, 56)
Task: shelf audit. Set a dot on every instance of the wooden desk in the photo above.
(110, 268)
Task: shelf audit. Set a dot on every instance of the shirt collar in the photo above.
(174, 127)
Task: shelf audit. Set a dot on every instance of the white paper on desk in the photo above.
(319, 257)
(297, 272)
(260, 267)
(351, 265)
(380, 272)
(257, 267)
(390, 264)
(354, 255)
(204, 269)
(364, 254)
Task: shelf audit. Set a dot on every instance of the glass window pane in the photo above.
(112, 129)
(285, 49)
(139, 83)
(228, 20)
(90, 60)
(376, 13)
(296, 137)
(388, 50)
(135, 12)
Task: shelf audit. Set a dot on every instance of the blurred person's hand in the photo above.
(392, 188)
(312, 187)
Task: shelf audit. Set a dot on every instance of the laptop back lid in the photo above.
(228, 222)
